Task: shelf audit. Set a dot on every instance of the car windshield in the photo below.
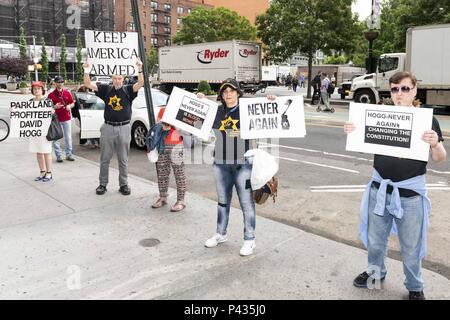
(159, 98)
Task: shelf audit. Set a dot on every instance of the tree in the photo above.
(336, 60)
(63, 58)
(305, 26)
(22, 44)
(152, 60)
(218, 24)
(44, 61)
(14, 66)
(79, 64)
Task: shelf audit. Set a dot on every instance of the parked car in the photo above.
(3, 81)
(92, 117)
(344, 89)
(101, 79)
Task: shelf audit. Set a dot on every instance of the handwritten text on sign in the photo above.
(30, 118)
(112, 53)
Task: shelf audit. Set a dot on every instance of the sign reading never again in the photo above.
(30, 118)
(112, 53)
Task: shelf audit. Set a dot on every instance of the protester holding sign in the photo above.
(231, 168)
(171, 156)
(40, 145)
(115, 133)
(396, 201)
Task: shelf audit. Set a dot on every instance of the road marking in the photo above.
(318, 164)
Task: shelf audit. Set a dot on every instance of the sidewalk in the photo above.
(52, 232)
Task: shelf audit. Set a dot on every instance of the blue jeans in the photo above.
(227, 176)
(409, 233)
(67, 130)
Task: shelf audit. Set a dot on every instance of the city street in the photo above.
(320, 184)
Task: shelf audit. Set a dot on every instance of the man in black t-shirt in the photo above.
(397, 195)
(115, 133)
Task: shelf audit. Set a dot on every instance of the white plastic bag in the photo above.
(264, 168)
(153, 155)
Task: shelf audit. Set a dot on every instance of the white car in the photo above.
(92, 117)
(102, 79)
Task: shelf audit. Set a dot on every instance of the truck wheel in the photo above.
(365, 96)
(138, 134)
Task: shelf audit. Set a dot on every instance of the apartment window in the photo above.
(145, 39)
(145, 26)
(167, 30)
(154, 29)
(143, 2)
(179, 20)
(189, 10)
(154, 5)
(154, 41)
(154, 17)
(180, 10)
(145, 14)
(167, 7)
(167, 19)
(167, 42)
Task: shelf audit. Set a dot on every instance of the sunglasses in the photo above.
(404, 89)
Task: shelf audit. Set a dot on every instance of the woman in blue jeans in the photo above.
(231, 168)
(396, 197)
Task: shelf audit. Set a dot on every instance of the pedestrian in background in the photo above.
(325, 98)
(302, 80)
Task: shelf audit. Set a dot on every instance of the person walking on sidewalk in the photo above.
(115, 133)
(396, 201)
(316, 83)
(63, 102)
(172, 155)
(40, 145)
(231, 168)
(325, 98)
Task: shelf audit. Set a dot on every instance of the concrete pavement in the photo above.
(60, 240)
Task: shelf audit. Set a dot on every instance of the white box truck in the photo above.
(186, 65)
(427, 57)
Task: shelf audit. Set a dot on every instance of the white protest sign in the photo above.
(281, 118)
(111, 52)
(389, 130)
(189, 113)
(30, 118)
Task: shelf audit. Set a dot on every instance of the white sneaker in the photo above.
(215, 240)
(247, 247)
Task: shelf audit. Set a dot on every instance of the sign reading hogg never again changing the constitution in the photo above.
(389, 130)
(112, 53)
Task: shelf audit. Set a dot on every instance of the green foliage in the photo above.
(23, 84)
(79, 64)
(22, 44)
(63, 57)
(44, 61)
(152, 60)
(336, 60)
(218, 24)
(205, 88)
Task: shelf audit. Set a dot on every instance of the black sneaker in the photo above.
(416, 295)
(125, 190)
(361, 280)
(100, 190)
(59, 159)
(70, 158)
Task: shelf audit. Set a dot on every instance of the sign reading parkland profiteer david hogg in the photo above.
(280, 118)
(389, 130)
(30, 118)
(111, 52)
(189, 113)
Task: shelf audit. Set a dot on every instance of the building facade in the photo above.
(160, 19)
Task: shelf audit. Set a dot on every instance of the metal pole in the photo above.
(147, 87)
(36, 77)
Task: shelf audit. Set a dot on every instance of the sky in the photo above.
(363, 8)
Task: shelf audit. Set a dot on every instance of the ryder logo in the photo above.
(207, 56)
(244, 53)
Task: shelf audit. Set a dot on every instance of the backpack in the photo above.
(269, 189)
(330, 88)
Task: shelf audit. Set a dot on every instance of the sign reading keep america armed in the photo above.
(30, 118)
(189, 113)
(112, 53)
(279, 118)
(389, 130)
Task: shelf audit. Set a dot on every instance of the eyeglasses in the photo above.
(404, 89)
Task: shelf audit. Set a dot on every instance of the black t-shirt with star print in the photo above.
(117, 102)
(399, 169)
(229, 147)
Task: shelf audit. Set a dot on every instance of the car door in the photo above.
(92, 117)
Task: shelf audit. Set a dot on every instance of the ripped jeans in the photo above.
(238, 175)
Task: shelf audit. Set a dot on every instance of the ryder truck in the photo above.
(427, 57)
(185, 66)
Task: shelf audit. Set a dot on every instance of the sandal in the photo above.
(178, 206)
(159, 203)
(41, 176)
(48, 176)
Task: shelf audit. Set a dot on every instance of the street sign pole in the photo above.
(147, 87)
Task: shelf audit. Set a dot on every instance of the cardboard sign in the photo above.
(189, 113)
(389, 130)
(111, 52)
(30, 118)
(280, 118)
